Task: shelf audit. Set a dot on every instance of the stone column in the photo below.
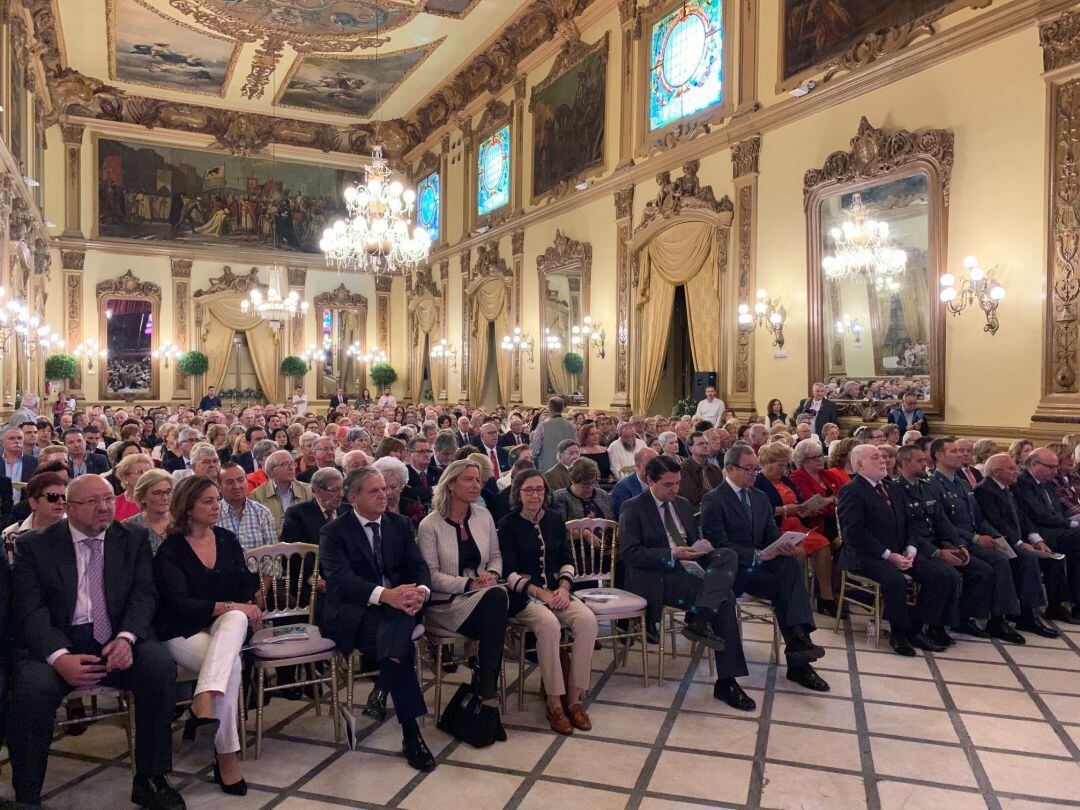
(71, 263)
(444, 287)
(466, 324)
(739, 391)
(517, 242)
(73, 138)
(624, 228)
(181, 281)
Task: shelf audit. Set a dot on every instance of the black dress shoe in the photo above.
(1033, 624)
(969, 628)
(651, 637)
(376, 705)
(807, 677)
(701, 632)
(1060, 614)
(76, 711)
(827, 607)
(923, 642)
(1000, 629)
(729, 691)
(233, 789)
(417, 753)
(801, 650)
(500, 732)
(194, 726)
(156, 793)
(900, 644)
(1075, 613)
(939, 635)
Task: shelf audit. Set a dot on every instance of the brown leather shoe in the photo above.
(559, 722)
(579, 719)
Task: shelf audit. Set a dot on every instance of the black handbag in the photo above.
(468, 719)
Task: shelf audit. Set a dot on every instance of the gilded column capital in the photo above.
(624, 202)
(180, 268)
(72, 259)
(72, 133)
(744, 156)
(1060, 41)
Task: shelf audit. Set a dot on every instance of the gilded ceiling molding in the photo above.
(263, 64)
(128, 284)
(428, 163)
(341, 296)
(875, 152)
(1060, 41)
(678, 196)
(453, 15)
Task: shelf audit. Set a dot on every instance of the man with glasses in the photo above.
(422, 477)
(77, 627)
(1046, 515)
(489, 441)
(323, 450)
(185, 440)
(303, 521)
(251, 522)
(738, 516)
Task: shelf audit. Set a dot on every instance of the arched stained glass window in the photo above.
(686, 54)
(493, 171)
(428, 205)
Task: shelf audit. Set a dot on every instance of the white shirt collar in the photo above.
(869, 480)
(364, 521)
(737, 489)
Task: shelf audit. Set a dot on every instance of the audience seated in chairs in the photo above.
(128, 470)
(206, 609)
(540, 572)
(46, 497)
(153, 494)
(634, 484)
(397, 476)
(78, 626)
(376, 585)
(303, 521)
(583, 498)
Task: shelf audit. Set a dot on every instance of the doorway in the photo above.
(489, 396)
(676, 381)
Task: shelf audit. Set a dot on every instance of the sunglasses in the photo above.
(54, 497)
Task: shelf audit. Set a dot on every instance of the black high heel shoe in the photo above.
(235, 789)
(193, 725)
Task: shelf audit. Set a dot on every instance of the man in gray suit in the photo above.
(547, 436)
(738, 516)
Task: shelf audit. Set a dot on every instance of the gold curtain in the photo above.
(262, 344)
(683, 254)
(489, 306)
(558, 320)
(426, 314)
(914, 296)
(217, 345)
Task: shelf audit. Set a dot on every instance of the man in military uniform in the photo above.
(926, 517)
(978, 537)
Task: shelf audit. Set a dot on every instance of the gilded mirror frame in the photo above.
(338, 299)
(129, 287)
(877, 157)
(565, 256)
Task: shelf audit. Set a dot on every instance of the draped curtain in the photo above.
(348, 367)
(490, 305)
(913, 297)
(426, 314)
(558, 321)
(225, 319)
(683, 254)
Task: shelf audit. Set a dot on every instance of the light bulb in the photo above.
(409, 196)
(970, 261)
(339, 227)
(396, 188)
(746, 318)
(350, 194)
(743, 309)
(947, 280)
(997, 292)
(977, 273)
(948, 294)
(762, 294)
(774, 318)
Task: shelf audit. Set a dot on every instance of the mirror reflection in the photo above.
(129, 331)
(339, 334)
(563, 363)
(875, 249)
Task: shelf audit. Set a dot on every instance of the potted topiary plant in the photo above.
(293, 366)
(573, 362)
(192, 364)
(382, 375)
(60, 367)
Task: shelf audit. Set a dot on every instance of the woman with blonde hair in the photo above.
(461, 547)
(840, 470)
(153, 494)
(1020, 450)
(488, 486)
(128, 471)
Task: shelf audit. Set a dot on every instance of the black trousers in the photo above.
(385, 636)
(487, 624)
(1028, 580)
(685, 591)
(939, 587)
(976, 590)
(1003, 600)
(781, 581)
(37, 690)
(1067, 542)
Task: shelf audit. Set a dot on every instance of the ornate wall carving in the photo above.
(73, 292)
(228, 281)
(624, 213)
(341, 296)
(1060, 41)
(128, 284)
(465, 272)
(72, 259)
(684, 194)
(382, 312)
(744, 292)
(744, 156)
(181, 275)
(444, 282)
(180, 268)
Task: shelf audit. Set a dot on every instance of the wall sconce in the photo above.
(591, 335)
(849, 326)
(445, 352)
(767, 312)
(90, 349)
(519, 342)
(315, 355)
(167, 352)
(374, 355)
(980, 286)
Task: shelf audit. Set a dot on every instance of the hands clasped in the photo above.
(408, 598)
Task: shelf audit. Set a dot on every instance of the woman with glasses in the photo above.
(540, 571)
(583, 498)
(153, 494)
(128, 471)
(45, 496)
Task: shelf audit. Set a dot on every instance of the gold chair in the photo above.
(754, 610)
(867, 597)
(282, 587)
(669, 625)
(351, 674)
(125, 707)
(439, 640)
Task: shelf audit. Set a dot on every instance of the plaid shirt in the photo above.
(253, 529)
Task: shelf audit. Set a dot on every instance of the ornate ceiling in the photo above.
(312, 60)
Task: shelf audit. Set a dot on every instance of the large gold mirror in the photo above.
(876, 225)
(129, 311)
(342, 332)
(564, 272)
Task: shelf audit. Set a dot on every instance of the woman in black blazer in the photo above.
(205, 608)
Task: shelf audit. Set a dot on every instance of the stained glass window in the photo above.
(427, 207)
(493, 171)
(687, 65)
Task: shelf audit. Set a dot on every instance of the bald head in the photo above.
(1002, 468)
(91, 504)
(1042, 463)
(641, 458)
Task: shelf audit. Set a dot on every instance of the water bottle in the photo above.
(871, 630)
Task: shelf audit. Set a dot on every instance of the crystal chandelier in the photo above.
(863, 248)
(272, 307)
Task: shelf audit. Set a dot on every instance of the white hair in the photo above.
(390, 465)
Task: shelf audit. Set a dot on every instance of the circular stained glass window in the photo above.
(429, 205)
(493, 165)
(684, 49)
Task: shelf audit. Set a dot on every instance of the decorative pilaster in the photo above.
(444, 287)
(180, 269)
(468, 186)
(747, 73)
(517, 181)
(517, 244)
(71, 262)
(382, 313)
(629, 20)
(1060, 41)
(624, 225)
(744, 162)
(444, 173)
(73, 138)
(466, 323)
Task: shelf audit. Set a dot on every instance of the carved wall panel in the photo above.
(73, 333)
(744, 163)
(181, 275)
(624, 224)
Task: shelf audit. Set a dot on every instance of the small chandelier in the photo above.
(863, 248)
(272, 307)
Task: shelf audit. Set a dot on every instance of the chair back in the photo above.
(288, 575)
(594, 545)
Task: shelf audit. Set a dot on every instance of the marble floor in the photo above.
(984, 725)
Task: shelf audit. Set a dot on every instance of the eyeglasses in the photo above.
(752, 470)
(333, 491)
(107, 500)
(54, 497)
(533, 490)
(161, 493)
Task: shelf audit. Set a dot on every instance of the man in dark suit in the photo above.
(1046, 515)
(376, 584)
(303, 522)
(5, 640)
(698, 475)
(83, 610)
(489, 446)
(822, 410)
(185, 440)
(632, 485)
(255, 433)
(515, 435)
(422, 478)
(464, 435)
(878, 545)
(80, 461)
(323, 450)
(997, 499)
(340, 398)
(656, 533)
(737, 516)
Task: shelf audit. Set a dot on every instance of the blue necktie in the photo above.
(744, 497)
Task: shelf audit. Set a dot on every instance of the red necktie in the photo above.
(884, 495)
(494, 459)
(423, 478)
(970, 477)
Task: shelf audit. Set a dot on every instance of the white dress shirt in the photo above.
(376, 592)
(710, 411)
(674, 514)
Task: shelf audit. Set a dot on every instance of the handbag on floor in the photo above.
(468, 719)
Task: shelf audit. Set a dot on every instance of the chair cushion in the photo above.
(312, 645)
(614, 601)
